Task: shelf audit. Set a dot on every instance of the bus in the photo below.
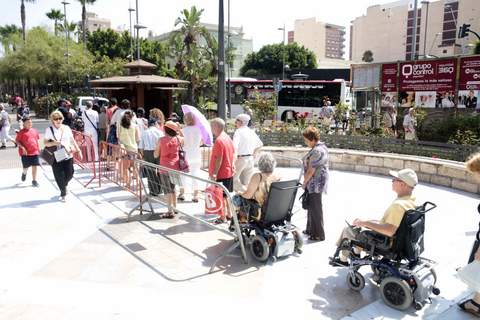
(294, 95)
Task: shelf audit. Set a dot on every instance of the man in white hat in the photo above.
(403, 183)
(247, 144)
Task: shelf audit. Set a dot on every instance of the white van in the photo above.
(82, 101)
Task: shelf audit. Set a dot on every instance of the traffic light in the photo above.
(464, 30)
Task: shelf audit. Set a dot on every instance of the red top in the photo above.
(110, 112)
(28, 139)
(222, 148)
(169, 147)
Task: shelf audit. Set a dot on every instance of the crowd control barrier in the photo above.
(117, 165)
(157, 178)
(87, 161)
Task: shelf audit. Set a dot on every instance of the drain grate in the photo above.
(135, 247)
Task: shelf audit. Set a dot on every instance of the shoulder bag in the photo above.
(47, 153)
(182, 161)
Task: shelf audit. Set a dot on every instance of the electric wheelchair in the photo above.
(404, 278)
(269, 234)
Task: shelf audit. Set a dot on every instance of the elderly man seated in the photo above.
(403, 183)
(250, 202)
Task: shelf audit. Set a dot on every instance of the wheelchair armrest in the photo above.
(375, 236)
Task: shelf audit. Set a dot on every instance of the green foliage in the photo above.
(462, 129)
(55, 15)
(269, 59)
(10, 37)
(263, 108)
(109, 43)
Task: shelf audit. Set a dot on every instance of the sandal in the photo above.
(475, 312)
(167, 215)
(312, 238)
(181, 197)
(195, 200)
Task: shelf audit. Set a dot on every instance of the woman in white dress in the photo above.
(90, 120)
(191, 146)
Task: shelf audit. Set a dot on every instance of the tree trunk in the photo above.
(22, 16)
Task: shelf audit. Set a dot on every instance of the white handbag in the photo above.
(61, 155)
(470, 274)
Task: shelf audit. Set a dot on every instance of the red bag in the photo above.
(214, 200)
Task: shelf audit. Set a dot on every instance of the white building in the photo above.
(95, 23)
(387, 30)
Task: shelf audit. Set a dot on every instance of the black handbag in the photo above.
(182, 161)
(304, 199)
(476, 243)
(47, 153)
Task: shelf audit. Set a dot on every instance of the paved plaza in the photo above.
(83, 260)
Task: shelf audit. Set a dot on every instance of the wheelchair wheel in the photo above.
(355, 281)
(396, 293)
(259, 248)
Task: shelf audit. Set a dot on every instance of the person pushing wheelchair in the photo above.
(403, 183)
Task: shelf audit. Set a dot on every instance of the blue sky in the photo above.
(260, 19)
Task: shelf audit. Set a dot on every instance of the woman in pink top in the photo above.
(167, 150)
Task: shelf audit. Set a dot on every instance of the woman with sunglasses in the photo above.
(61, 136)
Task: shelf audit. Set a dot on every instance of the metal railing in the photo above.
(87, 161)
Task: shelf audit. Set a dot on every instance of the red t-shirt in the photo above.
(169, 147)
(28, 139)
(222, 148)
(110, 112)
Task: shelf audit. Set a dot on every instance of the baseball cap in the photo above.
(244, 118)
(406, 175)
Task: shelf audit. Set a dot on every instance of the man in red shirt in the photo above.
(222, 167)
(29, 149)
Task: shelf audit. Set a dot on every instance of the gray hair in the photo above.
(89, 105)
(218, 122)
(266, 162)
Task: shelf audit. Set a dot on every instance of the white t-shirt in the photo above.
(63, 134)
(5, 118)
(93, 116)
(191, 143)
(245, 141)
(149, 139)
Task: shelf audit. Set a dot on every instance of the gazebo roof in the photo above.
(139, 79)
(140, 63)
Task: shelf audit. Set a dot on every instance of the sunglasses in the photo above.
(56, 119)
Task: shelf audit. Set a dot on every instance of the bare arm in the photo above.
(252, 186)
(307, 176)
(216, 167)
(386, 229)
(157, 151)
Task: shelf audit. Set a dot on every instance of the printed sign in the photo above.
(469, 73)
(428, 75)
(389, 77)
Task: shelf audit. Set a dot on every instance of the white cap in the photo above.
(406, 175)
(243, 118)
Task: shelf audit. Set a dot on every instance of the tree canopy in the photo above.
(269, 59)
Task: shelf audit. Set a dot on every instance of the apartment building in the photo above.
(387, 30)
(95, 23)
(326, 40)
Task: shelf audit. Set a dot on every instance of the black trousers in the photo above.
(63, 173)
(315, 216)
(154, 183)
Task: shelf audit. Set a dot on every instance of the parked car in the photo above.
(82, 102)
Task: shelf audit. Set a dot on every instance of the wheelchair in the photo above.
(403, 277)
(270, 234)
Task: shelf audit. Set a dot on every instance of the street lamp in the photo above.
(137, 28)
(426, 25)
(221, 62)
(66, 41)
(283, 52)
(229, 70)
(130, 10)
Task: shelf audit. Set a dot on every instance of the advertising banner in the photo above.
(428, 75)
(469, 83)
(389, 77)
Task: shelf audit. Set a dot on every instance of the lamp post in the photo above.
(221, 62)
(229, 70)
(426, 26)
(66, 42)
(283, 52)
(137, 28)
(130, 10)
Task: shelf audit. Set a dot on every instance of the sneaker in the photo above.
(62, 198)
(35, 183)
(24, 176)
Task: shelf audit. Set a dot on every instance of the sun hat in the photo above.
(406, 175)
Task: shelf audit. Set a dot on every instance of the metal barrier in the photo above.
(87, 162)
(157, 179)
(116, 165)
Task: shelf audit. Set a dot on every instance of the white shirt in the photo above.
(150, 138)
(5, 118)
(191, 143)
(446, 103)
(409, 123)
(93, 116)
(245, 141)
(141, 125)
(64, 135)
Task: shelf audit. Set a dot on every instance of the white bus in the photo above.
(294, 95)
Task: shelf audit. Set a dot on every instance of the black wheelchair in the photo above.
(404, 278)
(270, 233)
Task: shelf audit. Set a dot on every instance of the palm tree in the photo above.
(22, 15)
(55, 15)
(7, 37)
(84, 16)
(70, 28)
